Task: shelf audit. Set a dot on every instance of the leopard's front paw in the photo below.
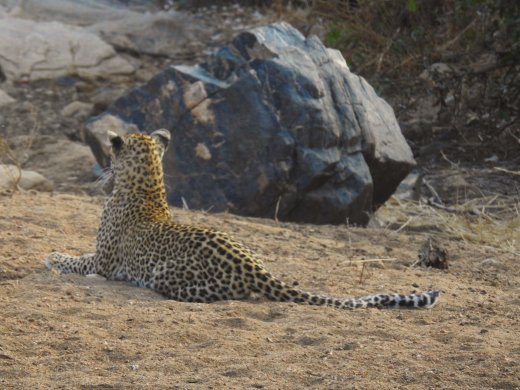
(52, 260)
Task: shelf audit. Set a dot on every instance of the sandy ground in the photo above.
(74, 332)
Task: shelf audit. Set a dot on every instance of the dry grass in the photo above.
(7, 155)
(18, 158)
(386, 36)
(490, 222)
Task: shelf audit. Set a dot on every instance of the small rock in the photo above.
(12, 178)
(67, 81)
(490, 262)
(5, 99)
(202, 151)
(105, 97)
(493, 159)
(435, 70)
(95, 135)
(79, 110)
(433, 254)
(410, 187)
(350, 346)
(449, 100)
(484, 63)
(143, 74)
(424, 112)
(161, 33)
(454, 183)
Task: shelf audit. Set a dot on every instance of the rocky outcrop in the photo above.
(274, 123)
(32, 50)
(162, 33)
(141, 28)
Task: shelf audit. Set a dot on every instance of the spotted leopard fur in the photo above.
(138, 242)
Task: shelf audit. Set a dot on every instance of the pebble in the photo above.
(5, 99)
(77, 109)
(489, 262)
(106, 96)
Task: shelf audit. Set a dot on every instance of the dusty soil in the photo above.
(69, 331)
(74, 332)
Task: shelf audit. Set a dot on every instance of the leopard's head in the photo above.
(136, 160)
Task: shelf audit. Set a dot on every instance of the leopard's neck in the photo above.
(137, 204)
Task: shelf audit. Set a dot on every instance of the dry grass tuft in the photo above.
(491, 222)
(9, 156)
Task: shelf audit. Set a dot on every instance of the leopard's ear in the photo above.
(162, 136)
(115, 140)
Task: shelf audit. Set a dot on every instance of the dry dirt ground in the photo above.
(74, 332)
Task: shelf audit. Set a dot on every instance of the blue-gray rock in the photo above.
(273, 121)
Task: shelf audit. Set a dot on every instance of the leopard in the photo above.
(139, 242)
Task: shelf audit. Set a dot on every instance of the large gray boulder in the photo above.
(272, 123)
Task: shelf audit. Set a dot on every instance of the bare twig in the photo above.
(454, 165)
(442, 206)
(386, 49)
(368, 260)
(361, 275)
(277, 209)
(456, 38)
(433, 191)
(404, 224)
(516, 173)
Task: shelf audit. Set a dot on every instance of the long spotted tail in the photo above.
(279, 291)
